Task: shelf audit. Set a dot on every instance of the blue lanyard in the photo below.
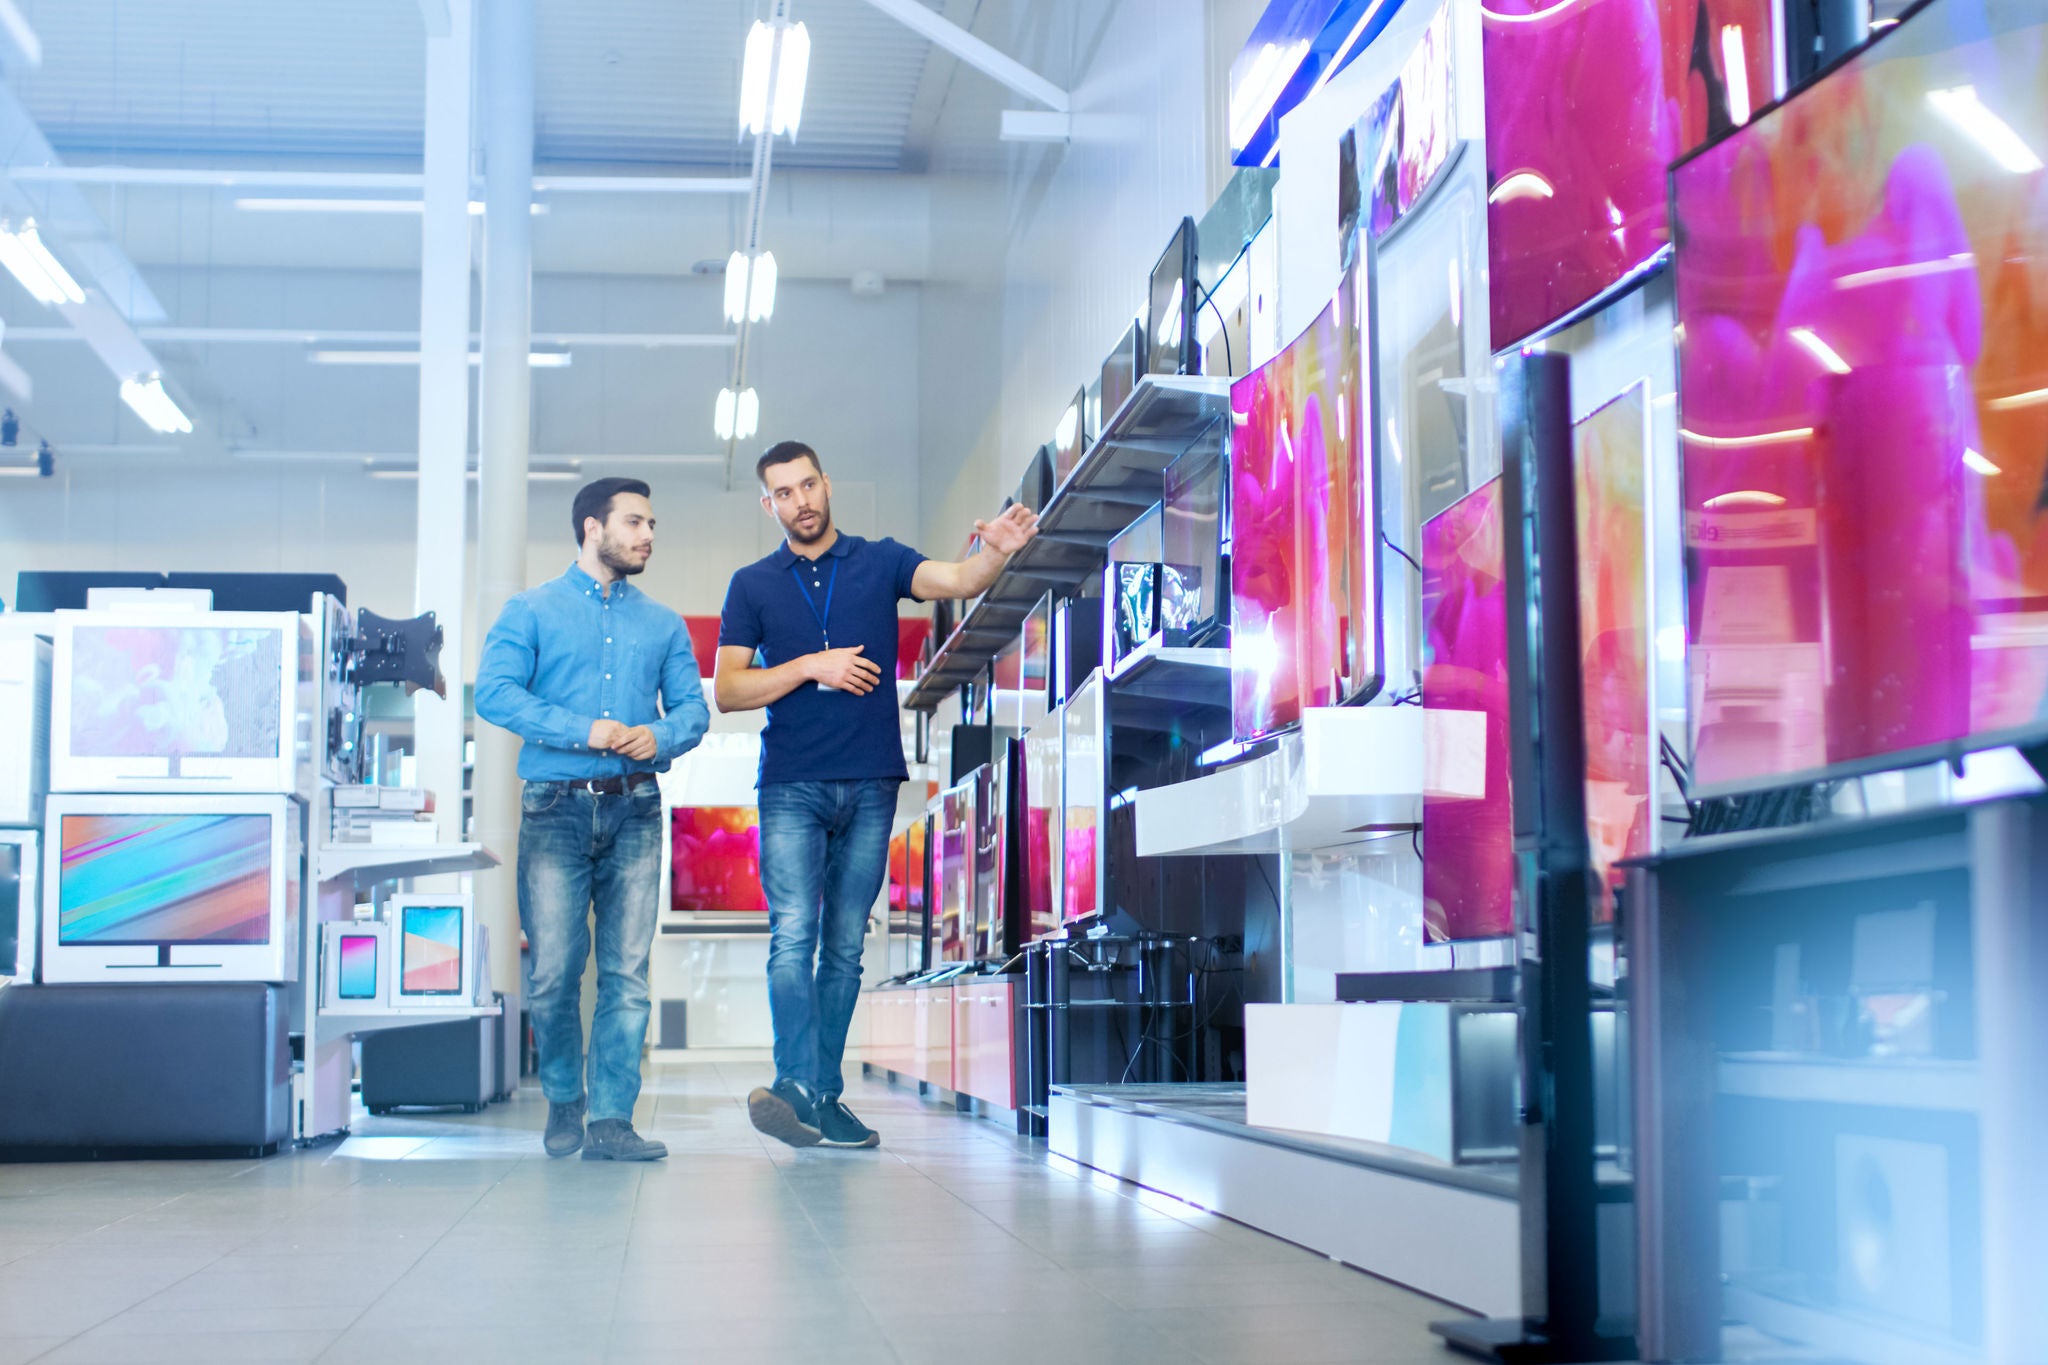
(825, 616)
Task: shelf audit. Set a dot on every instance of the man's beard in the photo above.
(816, 533)
(617, 560)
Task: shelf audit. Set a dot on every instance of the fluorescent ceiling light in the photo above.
(30, 262)
(1961, 107)
(792, 62)
(539, 360)
(291, 205)
(1252, 98)
(750, 291)
(1828, 356)
(538, 472)
(737, 416)
(154, 406)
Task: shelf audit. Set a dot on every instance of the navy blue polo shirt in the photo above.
(787, 606)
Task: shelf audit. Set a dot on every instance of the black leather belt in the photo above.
(607, 786)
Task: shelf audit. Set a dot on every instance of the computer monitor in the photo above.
(437, 951)
(1170, 315)
(355, 967)
(1085, 780)
(171, 888)
(715, 860)
(199, 702)
(1069, 439)
(1120, 373)
(1193, 600)
(20, 905)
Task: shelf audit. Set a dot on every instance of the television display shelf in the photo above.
(387, 862)
(1171, 688)
(334, 1022)
(1121, 475)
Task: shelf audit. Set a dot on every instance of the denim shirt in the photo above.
(564, 656)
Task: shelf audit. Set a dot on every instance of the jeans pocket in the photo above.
(538, 798)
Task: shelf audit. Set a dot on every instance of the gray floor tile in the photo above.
(19, 1350)
(213, 1348)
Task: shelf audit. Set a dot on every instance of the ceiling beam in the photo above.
(20, 37)
(201, 177)
(301, 336)
(996, 65)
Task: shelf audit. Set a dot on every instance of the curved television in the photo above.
(1304, 503)
(715, 860)
(1863, 401)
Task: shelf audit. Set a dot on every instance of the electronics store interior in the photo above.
(1441, 814)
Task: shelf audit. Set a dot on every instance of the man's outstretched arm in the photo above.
(972, 576)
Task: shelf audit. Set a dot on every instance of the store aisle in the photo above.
(455, 1239)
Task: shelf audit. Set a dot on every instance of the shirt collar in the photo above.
(588, 586)
(784, 556)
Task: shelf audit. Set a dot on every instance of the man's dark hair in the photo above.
(784, 452)
(595, 500)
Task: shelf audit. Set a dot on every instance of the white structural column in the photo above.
(443, 552)
(505, 418)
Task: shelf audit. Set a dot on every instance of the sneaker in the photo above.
(841, 1128)
(615, 1140)
(785, 1113)
(565, 1128)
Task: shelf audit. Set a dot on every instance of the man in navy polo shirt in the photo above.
(810, 633)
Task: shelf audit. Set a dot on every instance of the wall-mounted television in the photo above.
(171, 888)
(1468, 839)
(1304, 501)
(1577, 180)
(954, 874)
(437, 951)
(1170, 309)
(1863, 409)
(164, 701)
(355, 966)
(715, 860)
(20, 904)
(1042, 798)
(1085, 782)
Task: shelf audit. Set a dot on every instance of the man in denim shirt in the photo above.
(575, 668)
(810, 633)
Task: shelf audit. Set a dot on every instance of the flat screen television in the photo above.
(1617, 657)
(161, 701)
(1037, 661)
(20, 906)
(1468, 840)
(355, 966)
(437, 951)
(1577, 181)
(171, 888)
(1035, 487)
(1304, 584)
(992, 850)
(955, 874)
(1864, 409)
(1170, 310)
(1042, 798)
(1069, 439)
(1085, 782)
(1121, 371)
(715, 860)
(1192, 600)
(1006, 688)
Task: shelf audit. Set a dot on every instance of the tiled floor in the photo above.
(454, 1239)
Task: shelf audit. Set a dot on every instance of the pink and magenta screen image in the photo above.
(1468, 840)
(156, 879)
(358, 967)
(715, 859)
(1303, 607)
(1862, 297)
(1588, 102)
(175, 691)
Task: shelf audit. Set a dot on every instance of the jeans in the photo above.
(577, 850)
(824, 853)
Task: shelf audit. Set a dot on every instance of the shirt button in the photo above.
(607, 677)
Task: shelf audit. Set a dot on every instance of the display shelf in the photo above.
(1156, 671)
(1120, 476)
(1885, 1083)
(390, 862)
(379, 1021)
(1460, 985)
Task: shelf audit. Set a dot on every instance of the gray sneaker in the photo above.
(615, 1140)
(785, 1113)
(841, 1128)
(565, 1128)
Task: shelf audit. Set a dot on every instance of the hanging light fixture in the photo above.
(147, 397)
(29, 261)
(738, 415)
(750, 287)
(792, 65)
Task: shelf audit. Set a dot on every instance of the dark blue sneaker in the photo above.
(786, 1113)
(841, 1128)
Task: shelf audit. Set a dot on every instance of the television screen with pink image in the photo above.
(1468, 842)
(715, 859)
(430, 950)
(1863, 402)
(1587, 104)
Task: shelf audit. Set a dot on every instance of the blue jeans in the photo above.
(824, 852)
(576, 851)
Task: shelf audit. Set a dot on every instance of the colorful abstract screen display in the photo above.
(715, 859)
(430, 950)
(1468, 846)
(129, 880)
(956, 873)
(1084, 771)
(175, 692)
(1587, 103)
(1864, 408)
(1303, 593)
(1042, 828)
(1610, 478)
(358, 970)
